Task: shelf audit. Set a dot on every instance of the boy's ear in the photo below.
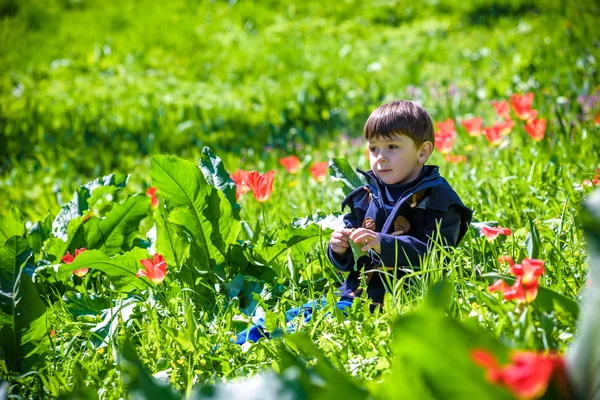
(425, 151)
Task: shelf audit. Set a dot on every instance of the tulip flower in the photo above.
(536, 128)
(290, 163)
(155, 269)
(447, 126)
(68, 259)
(493, 134)
(318, 170)
(153, 199)
(597, 119)
(261, 185)
(444, 141)
(492, 233)
(521, 105)
(241, 183)
(505, 127)
(528, 374)
(473, 126)
(502, 108)
(525, 287)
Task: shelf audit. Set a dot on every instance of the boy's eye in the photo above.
(373, 149)
(392, 147)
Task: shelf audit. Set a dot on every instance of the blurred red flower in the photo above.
(151, 191)
(521, 105)
(155, 268)
(502, 108)
(261, 185)
(536, 128)
(68, 259)
(528, 374)
(447, 126)
(597, 119)
(492, 233)
(493, 134)
(525, 287)
(444, 141)
(290, 163)
(505, 127)
(240, 177)
(473, 126)
(318, 170)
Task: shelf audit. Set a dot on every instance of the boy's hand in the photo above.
(339, 241)
(366, 237)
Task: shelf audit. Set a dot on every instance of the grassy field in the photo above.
(135, 95)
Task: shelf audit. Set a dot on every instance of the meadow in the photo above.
(134, 246)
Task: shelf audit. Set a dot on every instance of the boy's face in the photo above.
(396, 160)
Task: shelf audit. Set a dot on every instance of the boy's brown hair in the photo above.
(400, 117)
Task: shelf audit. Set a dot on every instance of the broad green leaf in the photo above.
(172, 246)
(336, 383)
(24, 334)
(139, 382)
(75, 239)
(340, 170)
(82, 304)
(39, 233)
(583, 357)
(546, 298)
(120, 269)
(215, 174)
(111, 320)
(194, 204)
(286, 236)
(11, 225)
(110, 233)
(357, 252)
(432, 359)
(75, 208)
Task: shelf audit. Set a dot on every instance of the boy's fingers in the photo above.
(397, 233)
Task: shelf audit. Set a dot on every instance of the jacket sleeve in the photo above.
(403, 251)
(345, 262)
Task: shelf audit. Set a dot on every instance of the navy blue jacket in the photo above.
(427, 202)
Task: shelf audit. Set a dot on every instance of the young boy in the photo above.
(399, 212)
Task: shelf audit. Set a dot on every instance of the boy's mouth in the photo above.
(384, 170)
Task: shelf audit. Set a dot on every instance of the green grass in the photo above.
(258, 82)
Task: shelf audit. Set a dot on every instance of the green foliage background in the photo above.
(92, 88)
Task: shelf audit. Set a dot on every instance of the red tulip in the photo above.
(597, 119)
(493, 134)
(318, 170)
(155, 269)
(492, 233)
(526, 376)
(473, 126)
(525, 287)
(241, 183)
(68, 259)
(502, 108)
(505, 127)
(447, 126)
(290, 163)
(536, 128)
(153, 199)
(261, 185)
(444, 141)
(521, 105)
